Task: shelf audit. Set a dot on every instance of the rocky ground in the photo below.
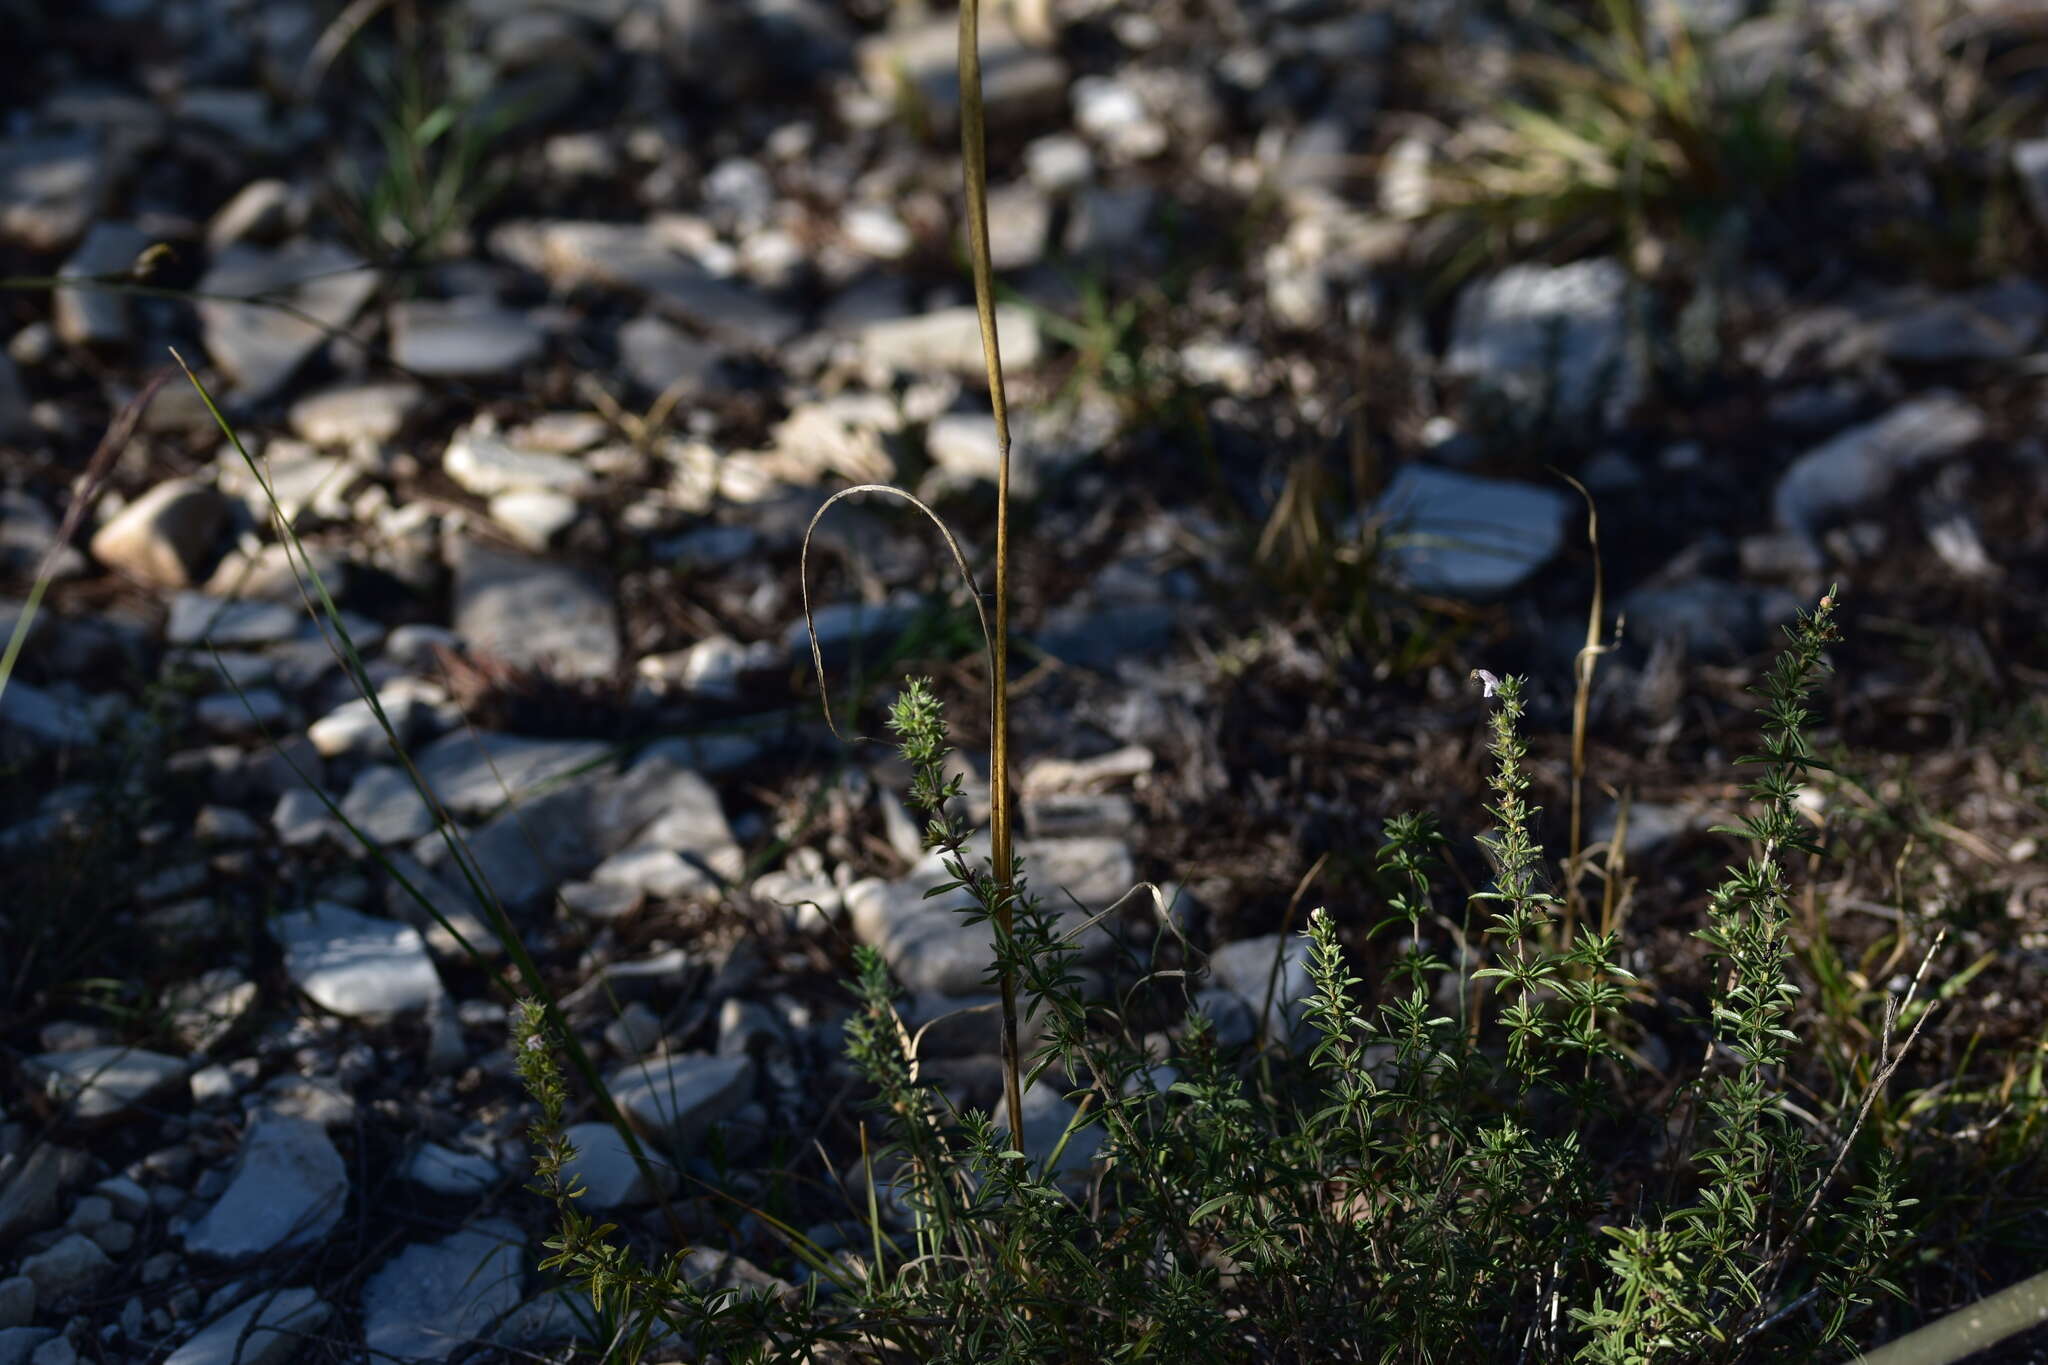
(551, 325)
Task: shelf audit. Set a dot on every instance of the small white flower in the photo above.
(1486, 680)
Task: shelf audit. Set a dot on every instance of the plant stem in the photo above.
(974, 162)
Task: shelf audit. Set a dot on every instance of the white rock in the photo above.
(531, 612)
(610, 1177)
(354, 964)
(1458, 533)
(283, 1322)
(1248, 965)
(97, 317)
(385, 806)
(465, 336)
(197, 617)
(357, 412)
(534, 516)
(68, 1270)
(475, 772)
(485, 464)
(447, 1171)
(411, 705)
(432, 1298)
(678, 1099)
(262, 347)
(167, 537)
(1862, 464)
(1536, 334)
(288, 1190)
(106, 1082)
(949, 340)
(1059, 162)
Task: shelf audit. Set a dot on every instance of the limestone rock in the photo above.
(168, 537)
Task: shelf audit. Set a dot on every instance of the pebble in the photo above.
(676, 1100)
(611, 1178)
(168, 537)
(1466, 535)
(949, 340)
(535, 613)
(465, 337)
(106, 1082)
(449, 1172)
(386, 807)
(97, 318)
(1546, 338)
(1860, 466)
(356, 412)
(431, 1298)
(288, 1189)
(354, 964)
(261, 348)
(282, 1323)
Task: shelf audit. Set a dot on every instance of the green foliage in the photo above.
(1414, 1184)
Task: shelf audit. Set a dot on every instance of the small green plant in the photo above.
(1633, 124)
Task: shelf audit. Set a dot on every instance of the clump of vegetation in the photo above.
(1416, 1181)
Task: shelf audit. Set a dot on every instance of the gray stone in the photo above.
(534, 613)
(1997, 322)
(288, 1190)
(475, 772)
(929, 947)
(1550, 337)
(949, 341)
(676, 1100)
(315, 1099)
(635, 257)
(356, 412)
(1047, 1116)
(19, 1344)
(124, 1196)
(471, 337)
(386, 807)
(55, 1351)
(302, 819)
(1860, 466)
(712, 667)
(50, 187)
(198, 618)
(90, 317)
(485, 464)
(843, 625)
(1470, 536)
(31, 716)
(601, 900)
(248, 714)
(413, 709)
(34, 1184)
(432, 1298)
(168, 537)
(1059, 162)
(1651, 825)
(354, 964)
(283, 1323)
(920, 63)
(71, 1269)
(1247, 969)
(662, 356)
(447, 1171)
(106, 1082)
(611, 1178)
(262, 347)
